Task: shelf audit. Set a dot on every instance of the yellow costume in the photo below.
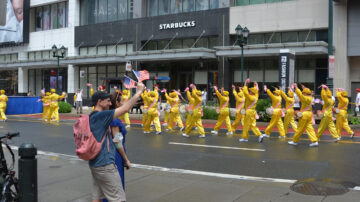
(174, 110)
(240, 103)
(277, 114)
(46, 105)
(305, 121)
(167, 113)
(54, 105)
(124, 98)
(3, 101)
(152, 112)
(341, 117)
(289, 111)
(327, 119)
(196, 115)
(145, 107)
(189, 108)
(224, 113)
(250, 113)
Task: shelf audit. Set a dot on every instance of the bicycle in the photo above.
(8, 181)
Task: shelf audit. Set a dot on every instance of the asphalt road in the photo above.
(273, 158)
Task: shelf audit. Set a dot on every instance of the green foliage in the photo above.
(210, 113)
(64, 107)
(261, 107)
(212, 103)
(354, 120)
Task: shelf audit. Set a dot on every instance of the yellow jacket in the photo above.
(3, 100)
(144, 98)
(288, 100)
(223, 100)
(174, 102)
(306, 100)
(276, 99)
(46, 101)
(239, 100)
(249, 99)
(328, 102)
(197, 101)
(191, 99)
(343, 101)
(54, 99)
(125, 97)
(154, 108)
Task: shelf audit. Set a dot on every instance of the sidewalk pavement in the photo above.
(65, 178)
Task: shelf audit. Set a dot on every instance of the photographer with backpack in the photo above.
(101, 153)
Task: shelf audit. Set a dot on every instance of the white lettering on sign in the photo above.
(177, 25)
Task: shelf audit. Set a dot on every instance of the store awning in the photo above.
(303, 48)
(172, 54)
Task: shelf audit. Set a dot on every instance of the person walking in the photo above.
(289, 110)
(223, 111)
(204, 96)
(174, 101)
(3, 103)
(79, 101)
(240, 104)
(341, 112)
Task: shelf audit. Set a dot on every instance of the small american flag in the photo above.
(129, 83)
(142, 75)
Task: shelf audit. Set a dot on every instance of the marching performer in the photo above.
(275, 112)
(124, 98)
(305, 117)
(144, 95)
(3, 101)
(341, 113)
(240, 104)
(327, 114)
(167, 113)
(190, 107)
(196, 112)
(54, 105)
(223, 111)
(251, 98)
(289, 110)
(152, 112)
(174, 110)
(46, 105)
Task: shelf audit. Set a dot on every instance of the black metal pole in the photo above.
(57, 75)
(28, 173)
(242, 63)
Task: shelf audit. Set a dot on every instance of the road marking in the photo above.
(219, 147)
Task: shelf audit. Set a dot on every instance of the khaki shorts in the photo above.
(107, 183)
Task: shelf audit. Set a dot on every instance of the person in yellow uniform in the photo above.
(174, 101)
(3, 101)
(189, 109)
(223, 110)
(46, 105)
(341, 113)
(305, 117)
(152, 112)
(196, 112)
(327, 119)
(276, 113)
(54, 105)
(251, 98)
(289, 110)
(124, 98)
(167, 113)
(145, 107)
(240, 104)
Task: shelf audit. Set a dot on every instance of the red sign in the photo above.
(331, 66)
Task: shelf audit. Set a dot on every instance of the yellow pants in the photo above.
(144, 118)
(167, 116)
(152, 118)
(188, 119)
(250, 123)
(175, 118)
(45, 112)
(2, 112)
(327, 122)
(305, 123)
(126, 118)
(342, 122)
(239, 117)
(195, 121)
(223, 116)
(289, 120)
(276, 120)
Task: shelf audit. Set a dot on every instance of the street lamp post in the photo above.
(56, 55)
(242, 36)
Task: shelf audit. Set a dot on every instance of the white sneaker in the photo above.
(182, 128)
(337, 139)
(292, 143)
(243, 140)
(195, 128)
(314, 144)
(127, 126)
(158, 133)
(261, 138)
(202, 136)
(146, 132)
(352, 135)
(184, 134)
(229, 133)
(142, 125)
(164, 124)
(282, 137)
(265, 135)
(214, 132)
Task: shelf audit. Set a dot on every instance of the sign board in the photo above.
(128, 67)
(286, 68)
(82, 74)
(331, 66)
(177, 25)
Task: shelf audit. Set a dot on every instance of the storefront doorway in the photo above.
(184, 80)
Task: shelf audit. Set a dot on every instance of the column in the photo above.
(22, 81)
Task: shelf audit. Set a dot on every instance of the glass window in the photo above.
(39, 19)
(122, 9)
(84, 12)
(176, 6)
(101, 69)
(62, 15)
(152, 45)
(101, 50)
(289, 37)
(322, 35)
(111, 71)
(112, 10)
(242, 2)
(8, 58)
(46, 55)
(31, 56)
(121, 49)
(38, 55)
(83, 80)
(272, 38)
(256, 39)
(152, 7)
(2, 58)
(202, 5)
(272, 1)
(111, 49)
(54, 16)
(213, 41)
(120, 69)
(164, 7)
(307, 36)
(83, 51)
(102, 11)
(188, 5)
(257, 1)
(129, 48)
(202, 43)
(187, 43)
(176, 44)
(92, 51)
(162, 44)
(214, 4)
(46, 17)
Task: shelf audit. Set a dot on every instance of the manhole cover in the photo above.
(322, 187)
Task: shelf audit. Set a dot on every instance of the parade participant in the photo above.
(46, 105)
(124, 98)
(152, 112)
(251, 99)
(223, 111)
(190, 107)
(196, 112)
(54, 105)
(167, 113)
(145, 107)
(305, 117)
(275, 112)
(3, 101)
(327, 114)
(341, 113)
(240, 104)
(289, 110)
(79, 101)
(174, 101)
(357, 102)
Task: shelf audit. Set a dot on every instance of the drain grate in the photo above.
(321, 187)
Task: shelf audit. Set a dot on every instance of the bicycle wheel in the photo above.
(10, 192)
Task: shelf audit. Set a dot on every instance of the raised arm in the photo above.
(129, 104)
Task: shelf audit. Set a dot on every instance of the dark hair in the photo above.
(113, 98)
